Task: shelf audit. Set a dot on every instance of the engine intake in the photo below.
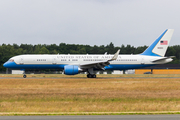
(71, 69)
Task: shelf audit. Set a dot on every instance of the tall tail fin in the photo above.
(160, 45)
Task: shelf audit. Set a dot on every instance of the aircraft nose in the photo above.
(10, 64)
(5, 65)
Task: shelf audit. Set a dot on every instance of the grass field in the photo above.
(107, 93)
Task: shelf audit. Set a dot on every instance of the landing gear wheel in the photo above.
(24, 76)
(91, 76)
(94, 76)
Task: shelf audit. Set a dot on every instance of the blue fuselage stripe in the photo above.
(13, 65)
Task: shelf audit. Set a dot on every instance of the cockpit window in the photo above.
(11, 60)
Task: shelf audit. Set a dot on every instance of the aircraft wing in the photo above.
(101, 64)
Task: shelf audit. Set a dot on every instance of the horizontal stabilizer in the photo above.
(164, 58)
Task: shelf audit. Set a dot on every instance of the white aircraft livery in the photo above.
(74, 64)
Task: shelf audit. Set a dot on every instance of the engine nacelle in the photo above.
(71, 69)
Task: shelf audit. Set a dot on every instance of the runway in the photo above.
(88, 78)
(94, 117)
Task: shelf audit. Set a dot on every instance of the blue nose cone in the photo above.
(6, 65)
(9, 64)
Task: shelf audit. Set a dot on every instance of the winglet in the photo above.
(115, 56)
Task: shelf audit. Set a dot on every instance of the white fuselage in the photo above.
(59, 61)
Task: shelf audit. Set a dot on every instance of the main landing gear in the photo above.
(91, 73)
(91, 76)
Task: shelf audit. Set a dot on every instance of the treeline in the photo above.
(8, 51)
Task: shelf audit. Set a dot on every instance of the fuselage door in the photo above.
(21, 61)
(142, 60)
(54, 60)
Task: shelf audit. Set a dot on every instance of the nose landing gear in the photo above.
(24, 76)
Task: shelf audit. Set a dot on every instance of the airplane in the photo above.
(75, 64)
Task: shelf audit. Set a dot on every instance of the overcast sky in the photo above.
(91, 22)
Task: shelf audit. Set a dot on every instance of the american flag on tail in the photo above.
(164, 42)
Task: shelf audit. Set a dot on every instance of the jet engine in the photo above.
(71, 69)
